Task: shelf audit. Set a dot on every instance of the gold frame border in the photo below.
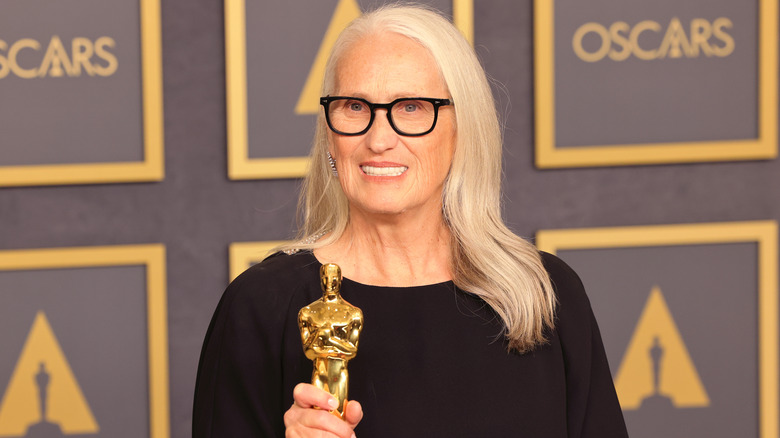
(549, 156)
(243, 253)
(764, 233)
(240, 166)
(151, 256)
(152, 168)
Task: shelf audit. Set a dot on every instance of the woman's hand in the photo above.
(302, 420)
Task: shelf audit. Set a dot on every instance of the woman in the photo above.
(469, 330)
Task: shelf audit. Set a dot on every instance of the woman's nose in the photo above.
(381, 135)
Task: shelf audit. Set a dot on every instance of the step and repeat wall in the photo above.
(151, 151)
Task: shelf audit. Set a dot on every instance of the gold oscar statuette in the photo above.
(330, 328)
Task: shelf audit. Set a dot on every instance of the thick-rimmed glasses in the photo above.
(409, 116)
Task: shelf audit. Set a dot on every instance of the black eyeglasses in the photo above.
(409, 116)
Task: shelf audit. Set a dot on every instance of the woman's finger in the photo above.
(353, 413)
(307, 396)
(308, 422)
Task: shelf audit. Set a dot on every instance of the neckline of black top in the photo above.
(447, 283)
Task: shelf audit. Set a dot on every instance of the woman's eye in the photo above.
(355, 106)
(410, 107)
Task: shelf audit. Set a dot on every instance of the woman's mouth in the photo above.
(383, 171)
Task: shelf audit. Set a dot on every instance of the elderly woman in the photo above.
(469, 330)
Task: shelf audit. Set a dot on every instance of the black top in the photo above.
(430, 363)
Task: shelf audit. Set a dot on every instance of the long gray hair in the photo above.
(487, 259)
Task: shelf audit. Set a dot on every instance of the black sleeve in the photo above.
(238, 392)
(593, 410)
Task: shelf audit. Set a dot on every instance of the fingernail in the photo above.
(333, 403)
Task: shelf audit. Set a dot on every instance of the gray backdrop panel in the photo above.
(98, 315)
(82, 119)
(704, 286)
(671, 99)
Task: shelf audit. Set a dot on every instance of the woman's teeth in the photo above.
(383, 171)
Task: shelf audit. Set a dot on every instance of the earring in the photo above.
(332, 165)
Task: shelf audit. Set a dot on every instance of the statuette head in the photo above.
(330, 277)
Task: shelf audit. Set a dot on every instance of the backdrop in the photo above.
(640, 144)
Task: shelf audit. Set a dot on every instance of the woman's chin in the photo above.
(383, 211)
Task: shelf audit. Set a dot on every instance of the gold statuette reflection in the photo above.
(330, 328)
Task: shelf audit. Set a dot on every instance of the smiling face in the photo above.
(381, 171)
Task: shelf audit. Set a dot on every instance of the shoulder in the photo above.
(573, 303)
(279, 268)
(261, 301)
(274, 282)
(566, 282)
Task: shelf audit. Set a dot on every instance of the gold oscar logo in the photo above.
(620, 40)
(81, 56)
(309, 100)
(43, 397)
(657, 369)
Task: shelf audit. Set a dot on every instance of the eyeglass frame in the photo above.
(326, 101)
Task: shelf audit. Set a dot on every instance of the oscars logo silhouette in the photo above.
(43, 428)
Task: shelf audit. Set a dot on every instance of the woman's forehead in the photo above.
(388, 64)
